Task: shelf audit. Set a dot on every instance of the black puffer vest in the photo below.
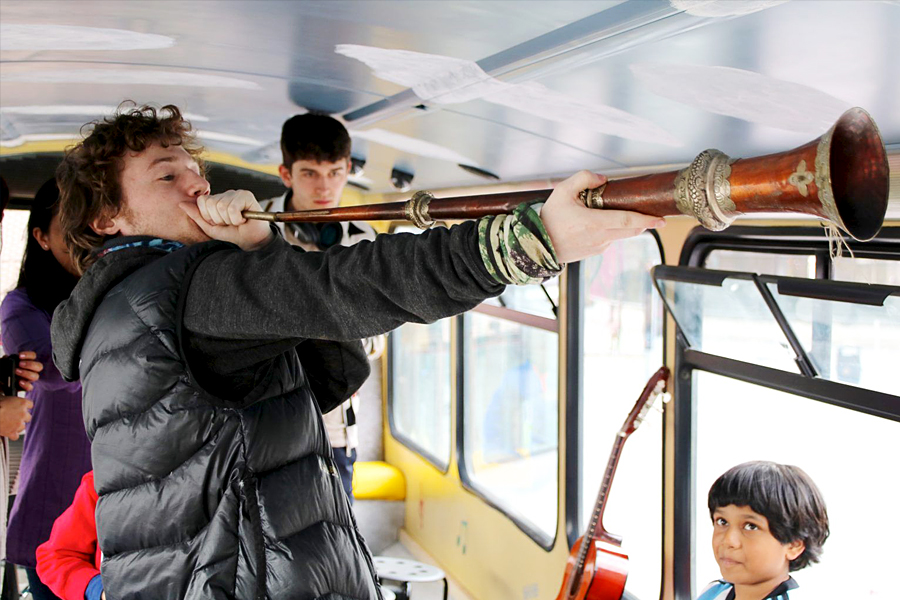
(199, 500)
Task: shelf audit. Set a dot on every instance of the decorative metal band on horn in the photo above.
(416, 210)
(823, 179)
(592, 198)
(703, 191)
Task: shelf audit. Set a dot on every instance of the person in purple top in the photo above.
(57, 452)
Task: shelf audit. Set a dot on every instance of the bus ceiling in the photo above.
(523, 91)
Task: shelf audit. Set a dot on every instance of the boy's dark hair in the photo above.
(88, 176)
(314, 137)
(785, 495)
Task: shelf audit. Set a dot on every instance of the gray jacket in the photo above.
(205, 371)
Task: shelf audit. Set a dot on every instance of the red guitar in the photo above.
(597, 568)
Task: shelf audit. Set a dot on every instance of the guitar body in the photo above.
(605, 572)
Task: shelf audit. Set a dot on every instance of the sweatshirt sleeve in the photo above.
(26, 327)
(346, 293)
(66, 562)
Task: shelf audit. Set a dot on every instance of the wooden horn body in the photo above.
(841, 177)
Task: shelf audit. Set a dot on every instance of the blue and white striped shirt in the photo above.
(722, 590)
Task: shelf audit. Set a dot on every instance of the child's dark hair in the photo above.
(314, 137)
(785, 496)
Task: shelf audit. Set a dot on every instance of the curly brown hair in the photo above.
(88, 176)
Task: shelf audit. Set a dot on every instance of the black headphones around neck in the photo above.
(323, 235)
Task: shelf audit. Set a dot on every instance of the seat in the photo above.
(404, 572)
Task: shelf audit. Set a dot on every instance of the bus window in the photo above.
(510, 410)
(849, 456)
(14, 238)
(622, 329)
(764, 263)
(530, 300)
(723, 313)
(420, 389)
(867, 270)
(841, 335)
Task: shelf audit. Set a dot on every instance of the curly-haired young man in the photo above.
(208, 347)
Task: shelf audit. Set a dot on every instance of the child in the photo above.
(768, 520)
(69, 562)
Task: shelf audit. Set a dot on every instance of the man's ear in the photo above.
(105, 225)
(285, 175)
(795, 549)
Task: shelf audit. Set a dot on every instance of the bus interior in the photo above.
(485, 437)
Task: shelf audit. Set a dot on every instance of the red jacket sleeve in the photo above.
(68, 561)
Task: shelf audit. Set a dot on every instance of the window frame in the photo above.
(780, 240)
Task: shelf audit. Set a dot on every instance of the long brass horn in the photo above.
(841, 177)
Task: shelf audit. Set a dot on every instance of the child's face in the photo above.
(747, 552)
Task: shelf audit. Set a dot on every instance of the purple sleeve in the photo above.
(25, 327)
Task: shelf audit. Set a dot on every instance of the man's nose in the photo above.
(198, 186)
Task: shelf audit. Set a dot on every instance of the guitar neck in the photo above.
(595, 526)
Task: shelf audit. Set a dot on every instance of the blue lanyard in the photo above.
(156, 243)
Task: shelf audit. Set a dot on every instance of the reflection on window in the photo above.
(842, 450)
(15, 236)
(420, 387)
(511, 407)
(762, 263)
(623, 321)
(852, 343)
(530, 299)
(731, 320)
(865, 270)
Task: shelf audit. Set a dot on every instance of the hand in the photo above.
(13, 415)
(29, 370)
(220, 218)
(577, 231)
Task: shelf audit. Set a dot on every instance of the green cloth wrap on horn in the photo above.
(516, 249)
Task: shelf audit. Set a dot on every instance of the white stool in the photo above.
(387, 594)
(407, 571)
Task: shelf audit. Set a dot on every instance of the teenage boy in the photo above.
(768, 521)
(207, 345)
(316, 164)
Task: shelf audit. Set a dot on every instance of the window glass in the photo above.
(852, 343)
(762, 263)
(851, 457)
(623, 326)
(420, 387)
(865, 270)
(729, 319)
(530, 299)
(511, 410)
(15, 223)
